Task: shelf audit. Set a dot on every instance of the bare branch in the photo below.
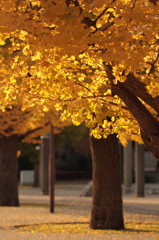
(153, 64)
(84, 87)
(101, 14)
(105, 26)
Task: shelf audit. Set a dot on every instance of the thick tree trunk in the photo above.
(8, 171)
(107, 210)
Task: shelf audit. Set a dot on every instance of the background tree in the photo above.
(72, 148)
(28, 158)
(16, 125)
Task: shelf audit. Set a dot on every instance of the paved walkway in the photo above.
(69, 207)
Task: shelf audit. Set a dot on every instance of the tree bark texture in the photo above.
(8, 171)
(129, 94)
(138, 88)
(107, 212)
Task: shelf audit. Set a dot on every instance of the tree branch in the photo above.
(22, 136)
(149, 126)
(153, 64)
(105, 26)
(101, 14)
(139, 89)
(154, 2)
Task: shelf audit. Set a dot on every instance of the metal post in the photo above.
(44, 162)
(128, 168)
(139, 170)
(51, 170)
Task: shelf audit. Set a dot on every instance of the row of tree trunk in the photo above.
(106, 211)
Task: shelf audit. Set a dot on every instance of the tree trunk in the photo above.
(107, 212)
(8, 171)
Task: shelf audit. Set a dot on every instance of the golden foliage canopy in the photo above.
(56, 52)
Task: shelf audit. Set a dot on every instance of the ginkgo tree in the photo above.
(18, 125)
(19, 122)
(117, 43)
(65, 98)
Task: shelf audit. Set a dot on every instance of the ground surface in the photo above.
(70, 208)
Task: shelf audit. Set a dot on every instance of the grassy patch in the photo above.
(82, 228)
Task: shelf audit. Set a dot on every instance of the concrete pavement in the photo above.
(69, 207)
(68, 194)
